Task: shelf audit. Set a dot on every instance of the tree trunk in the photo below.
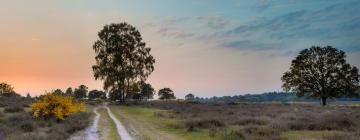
(323, 101)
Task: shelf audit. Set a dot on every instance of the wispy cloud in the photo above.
(174, 33)
(214, 22)
(333, 24)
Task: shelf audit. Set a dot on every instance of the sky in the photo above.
(205, 47)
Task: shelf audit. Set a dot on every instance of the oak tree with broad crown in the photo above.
(122, 59)
(166, 94)
(321, 72)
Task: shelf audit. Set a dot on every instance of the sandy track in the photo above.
(120, 128)
(91, 133)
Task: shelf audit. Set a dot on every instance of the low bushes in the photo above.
(234, 135)
(258, 120)
(22, 126)
(28, 126)
(60, 117)
(13, 109)
(251, 120)
(15, 101)
(191, 125)
(77, 121)
(342, 136)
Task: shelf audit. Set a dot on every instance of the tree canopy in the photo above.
(69, 92)
(58, 92)
(96, 94)
(190, 96)
(122, 59)
(81, 92)
(321, 72)
(166, 94)
(147, 91)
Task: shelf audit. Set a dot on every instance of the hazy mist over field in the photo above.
(205, 47)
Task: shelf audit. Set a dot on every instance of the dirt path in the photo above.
(91, 132)
(120, 128)
(107, 127)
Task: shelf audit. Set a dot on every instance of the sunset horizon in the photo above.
(208, 48)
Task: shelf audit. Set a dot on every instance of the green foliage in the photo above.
(96, 94)
(58, 92)
(141, 91)
(81, 92)
(166, 94)
(321, 72)
(69, 92)
(147, 91)
(122, 59)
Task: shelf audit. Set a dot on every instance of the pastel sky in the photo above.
(205, 47)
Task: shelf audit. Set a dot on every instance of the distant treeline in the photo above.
(268, 97)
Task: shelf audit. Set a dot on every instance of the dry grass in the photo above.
(261, 120)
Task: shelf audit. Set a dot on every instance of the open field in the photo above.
(17, 123)
(180, 120)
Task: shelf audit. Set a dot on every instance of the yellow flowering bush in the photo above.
(56, 106)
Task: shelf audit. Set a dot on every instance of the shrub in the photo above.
(15, 101)
(212, 131)
(204, 123)
(341, 136)
(77, 121)
(28, 126)
(234, 135)
(251, 120)
(13, 109)
(17, 119)
(56, 106)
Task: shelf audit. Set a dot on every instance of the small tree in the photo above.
(28, 96)
(190, 97)
(321, 72)
(166, 94)
(81, 92)
(69, 92)
(147, 91)
(5, 88)
(58, 92)
(96, 94)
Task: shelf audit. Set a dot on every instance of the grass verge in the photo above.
(143, 123)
